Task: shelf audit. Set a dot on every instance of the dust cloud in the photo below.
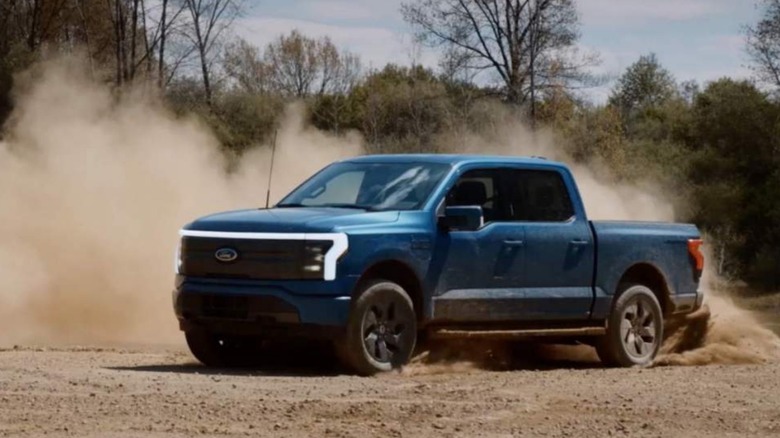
(604, 198)
(721, 333)
(93, 190)
(94, 187)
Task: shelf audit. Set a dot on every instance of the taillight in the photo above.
(694, 249)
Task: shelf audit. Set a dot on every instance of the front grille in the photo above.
(256, 259)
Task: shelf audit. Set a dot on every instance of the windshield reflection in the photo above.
(369, 186)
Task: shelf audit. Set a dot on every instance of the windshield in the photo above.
(369, 186)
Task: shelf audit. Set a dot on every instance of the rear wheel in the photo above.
(634, 329)
(222, 351)
(382, 329)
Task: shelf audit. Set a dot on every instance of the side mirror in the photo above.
(465, 218)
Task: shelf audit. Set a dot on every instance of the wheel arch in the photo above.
(653, 278)
(400, 273)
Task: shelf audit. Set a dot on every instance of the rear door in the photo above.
(559, 247)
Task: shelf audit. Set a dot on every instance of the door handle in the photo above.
(511, 242)
(578, 242)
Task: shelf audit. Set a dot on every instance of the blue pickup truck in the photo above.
(374, 252)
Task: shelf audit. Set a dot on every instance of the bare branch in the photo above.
(518, 38)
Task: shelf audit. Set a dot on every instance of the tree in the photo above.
(296, 66)
(163, 26)
(689, 90)
(528, 44)
(117, 35)
(162, 23)
(35, 21)
(208, 20)
(26, 26)
(735, 154)
(644, 85)
(401, 109)
(300, 66)
(763, 43)
(129, 34)
(243, 63)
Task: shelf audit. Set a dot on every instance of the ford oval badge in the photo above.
(226, 255)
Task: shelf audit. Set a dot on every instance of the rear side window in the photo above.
(538, 196)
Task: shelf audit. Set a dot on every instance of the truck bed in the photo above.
(658, 245)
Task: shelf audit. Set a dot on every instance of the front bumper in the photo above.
(258, 310)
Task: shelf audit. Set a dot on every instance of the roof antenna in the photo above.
(270, 171)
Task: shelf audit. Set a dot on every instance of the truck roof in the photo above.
(453, 159)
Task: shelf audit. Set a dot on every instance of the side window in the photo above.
(482, 188)
(538, 196)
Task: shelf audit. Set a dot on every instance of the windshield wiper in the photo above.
(334, 205)
(356, 206)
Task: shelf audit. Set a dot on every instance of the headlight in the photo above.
(177, 262)
(314, 258)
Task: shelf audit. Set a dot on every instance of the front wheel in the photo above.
(634, 330)
(382, 329)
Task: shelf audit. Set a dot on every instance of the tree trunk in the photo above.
(87, 40)
(117, 40)
(532, 40)
(32, 40)
(163, 33)
(205, 69)
(147, 49)
(202, 44)
(123, 39)
(133, 38)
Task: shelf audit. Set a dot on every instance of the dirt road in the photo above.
(162, 392)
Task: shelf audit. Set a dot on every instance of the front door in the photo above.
(475, 270)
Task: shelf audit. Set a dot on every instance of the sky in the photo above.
(699, 40)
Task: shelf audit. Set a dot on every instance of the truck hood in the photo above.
(292, 220)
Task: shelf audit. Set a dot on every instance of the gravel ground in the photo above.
(162, 392)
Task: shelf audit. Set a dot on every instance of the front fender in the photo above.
(368, 250)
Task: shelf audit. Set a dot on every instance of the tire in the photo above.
(381, 331)
(221, 351)
(635, 329)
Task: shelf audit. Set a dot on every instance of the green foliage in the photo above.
(718, 148)
(734, 172)
(643, 87)
(597, 135)
(335, 112)
(669, 120)
(246, 120)
(239, 120)
(401, 108)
